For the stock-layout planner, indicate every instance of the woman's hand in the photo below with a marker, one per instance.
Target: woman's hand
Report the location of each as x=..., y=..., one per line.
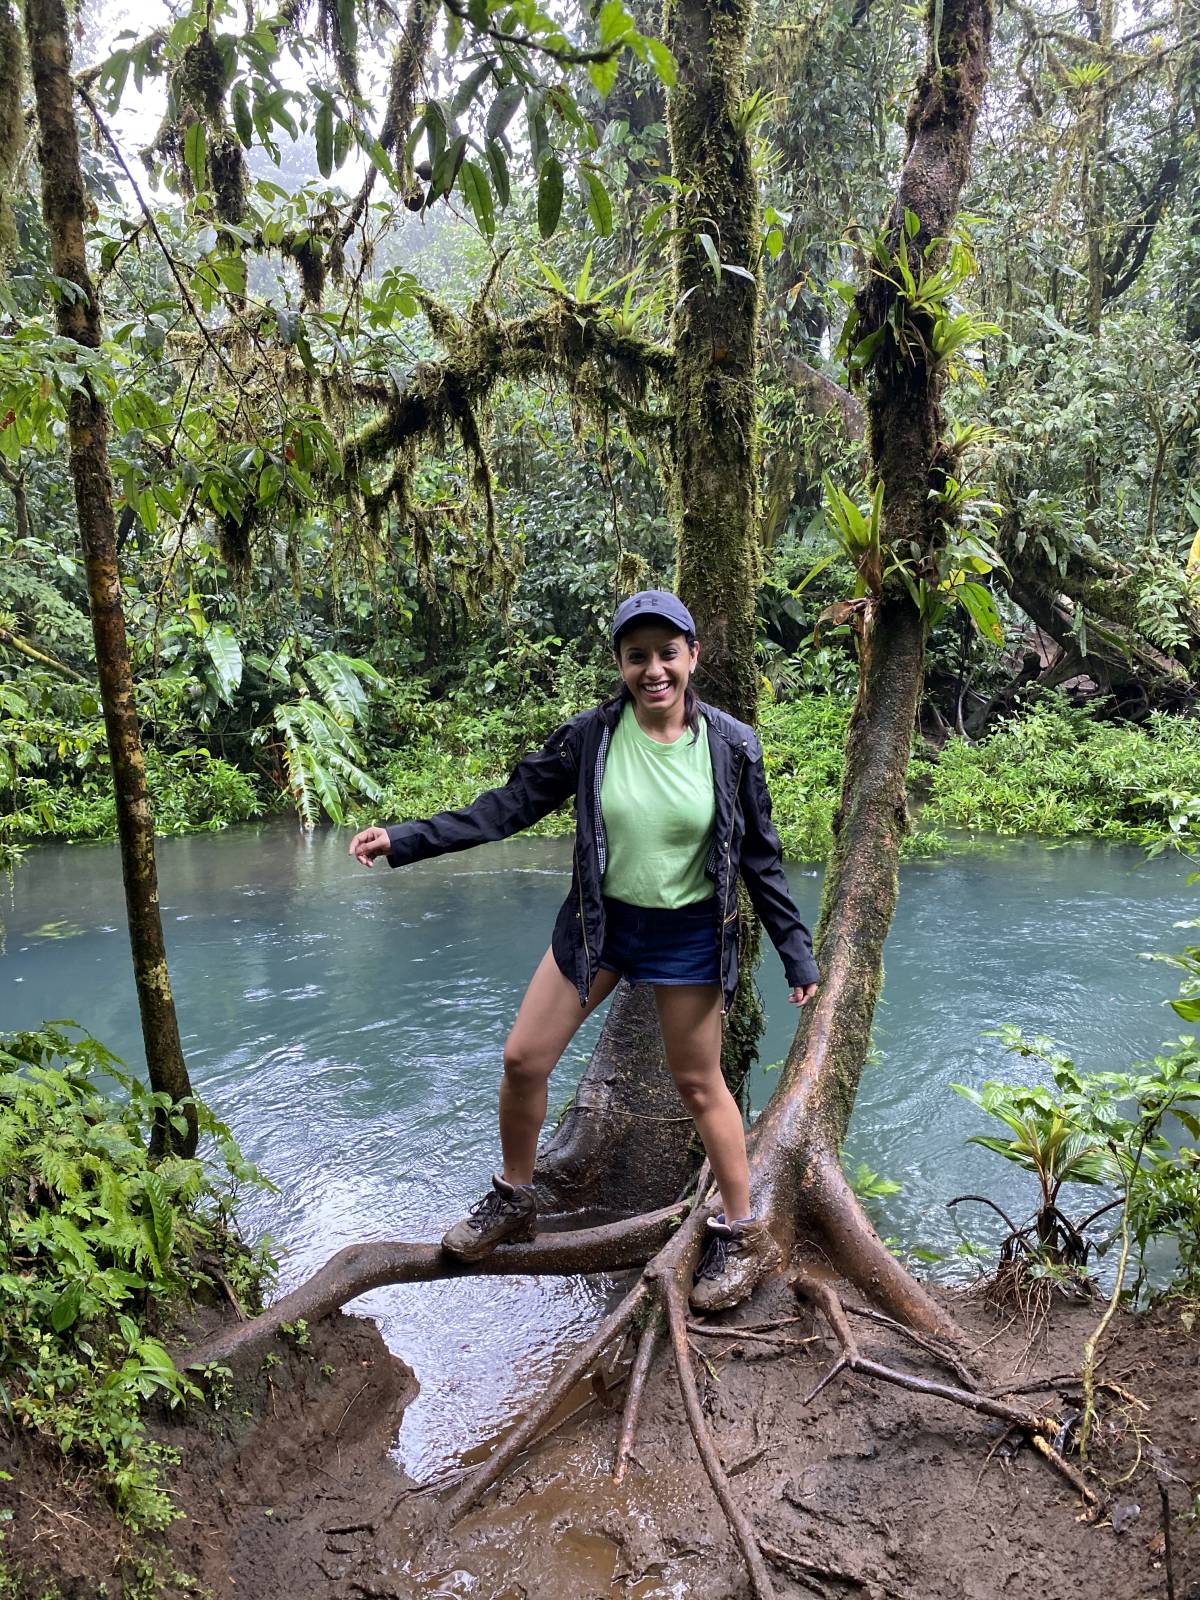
x=802, y=994
x=366, y=846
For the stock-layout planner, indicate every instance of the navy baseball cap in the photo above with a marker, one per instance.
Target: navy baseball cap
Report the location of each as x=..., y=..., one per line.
x=653, y=605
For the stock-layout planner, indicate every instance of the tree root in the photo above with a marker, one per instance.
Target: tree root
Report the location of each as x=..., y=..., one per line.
x=743, y=1533
x=646, y=1351
x=353, y=1271
x=1039, y=1430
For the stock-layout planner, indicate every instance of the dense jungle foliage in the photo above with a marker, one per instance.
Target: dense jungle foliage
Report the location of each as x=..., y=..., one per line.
x=102, y=1255
x=336, y=612
x=386, y=309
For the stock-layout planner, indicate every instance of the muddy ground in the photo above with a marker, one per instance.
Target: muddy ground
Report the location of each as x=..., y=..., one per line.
x=874, y=1492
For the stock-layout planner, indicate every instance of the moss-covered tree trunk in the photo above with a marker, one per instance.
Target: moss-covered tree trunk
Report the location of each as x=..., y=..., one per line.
x=64, y=206
x=714, y=391
x=714, y=478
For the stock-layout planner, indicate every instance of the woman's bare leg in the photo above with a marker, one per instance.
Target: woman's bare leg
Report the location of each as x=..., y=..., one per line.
x=690, y=1017
x=548, y=1019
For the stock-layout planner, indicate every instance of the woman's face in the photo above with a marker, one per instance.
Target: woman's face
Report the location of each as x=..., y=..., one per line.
x=656, y=662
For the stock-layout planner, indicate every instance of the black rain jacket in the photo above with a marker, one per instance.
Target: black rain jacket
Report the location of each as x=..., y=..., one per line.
x=571, y=763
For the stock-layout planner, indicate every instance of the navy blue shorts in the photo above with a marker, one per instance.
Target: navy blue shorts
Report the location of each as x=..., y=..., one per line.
x=647, y=944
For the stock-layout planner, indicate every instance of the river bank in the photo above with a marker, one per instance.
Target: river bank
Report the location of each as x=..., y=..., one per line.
x=288, y=1488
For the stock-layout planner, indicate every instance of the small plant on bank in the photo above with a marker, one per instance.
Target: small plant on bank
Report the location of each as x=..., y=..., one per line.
x=100, y=1252
x=1109, y=1129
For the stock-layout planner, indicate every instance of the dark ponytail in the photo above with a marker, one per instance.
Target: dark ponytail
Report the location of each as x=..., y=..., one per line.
x=691, y=700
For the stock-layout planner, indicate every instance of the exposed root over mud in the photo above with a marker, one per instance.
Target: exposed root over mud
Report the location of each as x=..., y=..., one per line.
x=656, y=1303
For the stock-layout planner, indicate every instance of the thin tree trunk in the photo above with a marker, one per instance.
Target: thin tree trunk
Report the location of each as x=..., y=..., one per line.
x=64, y=206
x=16, y=482
x=796, y=1142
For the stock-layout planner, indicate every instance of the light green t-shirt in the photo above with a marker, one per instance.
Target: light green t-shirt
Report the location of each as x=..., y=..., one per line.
x=658, y=807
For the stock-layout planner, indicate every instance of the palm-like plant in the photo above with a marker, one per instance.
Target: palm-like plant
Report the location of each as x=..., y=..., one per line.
x=1053, y=1135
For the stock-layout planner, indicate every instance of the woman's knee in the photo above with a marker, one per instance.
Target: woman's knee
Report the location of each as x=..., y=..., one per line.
x=525, y=1067
x=701, y=1091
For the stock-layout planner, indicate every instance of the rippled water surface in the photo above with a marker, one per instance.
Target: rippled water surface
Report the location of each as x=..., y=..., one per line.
x=348, y=1025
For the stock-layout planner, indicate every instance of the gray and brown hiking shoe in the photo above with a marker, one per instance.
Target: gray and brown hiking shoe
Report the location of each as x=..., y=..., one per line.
x=507, y=1213
x=737, y=1257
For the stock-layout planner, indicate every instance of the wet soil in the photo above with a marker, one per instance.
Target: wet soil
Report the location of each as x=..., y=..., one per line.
x=874, y=1492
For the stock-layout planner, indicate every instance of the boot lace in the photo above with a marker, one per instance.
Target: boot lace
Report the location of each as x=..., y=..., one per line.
x=717, y=1252
x=487, y=1210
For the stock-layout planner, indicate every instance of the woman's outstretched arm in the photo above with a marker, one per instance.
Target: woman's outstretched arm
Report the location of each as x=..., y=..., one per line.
x=540, y=783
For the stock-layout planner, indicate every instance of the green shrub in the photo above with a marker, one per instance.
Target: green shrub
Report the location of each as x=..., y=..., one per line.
x=1057, y=770
x=803, y=742
x=99, y=1251
x=190, y=790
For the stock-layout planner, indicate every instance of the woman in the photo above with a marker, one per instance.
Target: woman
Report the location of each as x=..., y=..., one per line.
x=670, y=804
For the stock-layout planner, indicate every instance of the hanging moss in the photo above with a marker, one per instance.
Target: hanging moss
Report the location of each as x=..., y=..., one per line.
x=339, y=35
x=201, y=79
x=305, y=250
x=227, y=169
x=233, y=541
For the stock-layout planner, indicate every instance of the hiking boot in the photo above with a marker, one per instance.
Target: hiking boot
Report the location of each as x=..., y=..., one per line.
x=737, y=1257
x=508, y=1212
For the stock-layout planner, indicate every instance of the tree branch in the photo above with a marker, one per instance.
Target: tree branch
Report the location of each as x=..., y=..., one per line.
x=1132, y=248
x=566, y=55
x=566, y=340
x=23, y=647
x=821, y=395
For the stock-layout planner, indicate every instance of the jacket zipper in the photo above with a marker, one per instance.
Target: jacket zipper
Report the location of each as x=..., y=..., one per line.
x=601, y=853
x=597, y=784
x=587, y=954
x=725, y=899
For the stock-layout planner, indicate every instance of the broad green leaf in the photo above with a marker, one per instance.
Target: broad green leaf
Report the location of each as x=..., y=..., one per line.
x=195, y=147
x=539, y=134
x=243, y=121
x=323, y=132
x=615, y=22
x=498, y=167
x=599, y=206
x=66, y=1308
x=710, y=250
x=232, y=272
x=339, y=687
x=550, y=196
x=473, y=182
x=502, y=109
x=437, y=131
x=225, y=653
x=464, y=95
x=445, y=168
x=604, y=73
x=662, y=61
x=980, y=606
